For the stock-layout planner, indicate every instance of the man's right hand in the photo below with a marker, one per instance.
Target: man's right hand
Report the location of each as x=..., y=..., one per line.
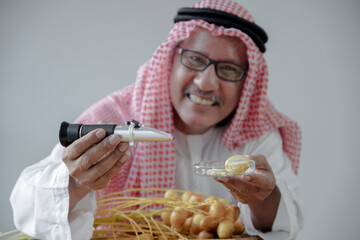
x=92, y=161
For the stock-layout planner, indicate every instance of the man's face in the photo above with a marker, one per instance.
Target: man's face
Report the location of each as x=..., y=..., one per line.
x=200, y=98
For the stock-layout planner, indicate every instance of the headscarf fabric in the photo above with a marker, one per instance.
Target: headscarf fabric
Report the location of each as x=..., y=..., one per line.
x=152, y=164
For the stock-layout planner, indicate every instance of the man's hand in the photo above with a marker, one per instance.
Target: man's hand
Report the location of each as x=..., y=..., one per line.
x=258, y=190
x=254, y=187
x=92, y=162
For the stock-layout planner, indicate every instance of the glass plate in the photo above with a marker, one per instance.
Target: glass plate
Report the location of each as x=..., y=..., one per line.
x=217, y=169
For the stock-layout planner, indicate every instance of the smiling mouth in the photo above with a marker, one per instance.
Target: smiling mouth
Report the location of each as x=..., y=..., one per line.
x=201, y=101
x=202, y=98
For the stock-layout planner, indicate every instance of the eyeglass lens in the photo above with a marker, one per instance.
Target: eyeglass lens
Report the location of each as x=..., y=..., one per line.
x=199, y=62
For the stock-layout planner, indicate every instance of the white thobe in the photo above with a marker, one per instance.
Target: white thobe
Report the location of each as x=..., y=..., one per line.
x=40, y=198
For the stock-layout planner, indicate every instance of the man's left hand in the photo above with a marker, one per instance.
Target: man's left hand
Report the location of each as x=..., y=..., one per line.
x=254, y=187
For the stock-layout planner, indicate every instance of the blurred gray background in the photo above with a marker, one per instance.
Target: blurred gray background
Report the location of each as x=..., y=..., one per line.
x=58, y=57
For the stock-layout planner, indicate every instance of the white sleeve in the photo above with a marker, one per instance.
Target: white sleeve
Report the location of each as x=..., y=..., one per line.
x=289, y=218
x=40, y=202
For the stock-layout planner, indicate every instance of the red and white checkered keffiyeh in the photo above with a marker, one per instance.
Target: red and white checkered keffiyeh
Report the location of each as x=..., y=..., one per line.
x=152, y=164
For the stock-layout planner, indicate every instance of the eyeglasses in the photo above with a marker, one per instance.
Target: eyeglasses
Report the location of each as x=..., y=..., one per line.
x=225, y=70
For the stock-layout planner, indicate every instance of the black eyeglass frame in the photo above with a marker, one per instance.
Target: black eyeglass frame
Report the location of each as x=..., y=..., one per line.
x=211, y=61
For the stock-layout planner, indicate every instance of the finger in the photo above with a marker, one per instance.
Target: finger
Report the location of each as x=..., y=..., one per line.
x=79, y=146
x=263, y=179
x=107, y=163
x=233, y=181
x=88, y=177
x=221, y=179
x=246, y=178
x=238, y=182
x=232, y=184
x=260, y=162
x=251, y=180
x=98, y=151
x=123, y=147
x=254, y=177
x=104, y=180
x=238, y=193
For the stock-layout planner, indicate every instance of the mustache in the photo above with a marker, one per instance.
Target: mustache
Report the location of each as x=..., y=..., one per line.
x=203, y=94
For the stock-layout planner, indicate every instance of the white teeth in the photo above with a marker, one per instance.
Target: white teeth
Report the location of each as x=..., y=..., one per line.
x=201, y=101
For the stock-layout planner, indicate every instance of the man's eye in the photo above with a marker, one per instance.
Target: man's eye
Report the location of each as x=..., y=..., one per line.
x=228, y=68
x=196, y=59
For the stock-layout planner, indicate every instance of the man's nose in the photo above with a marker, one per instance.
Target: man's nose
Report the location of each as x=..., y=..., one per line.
x=207, y=80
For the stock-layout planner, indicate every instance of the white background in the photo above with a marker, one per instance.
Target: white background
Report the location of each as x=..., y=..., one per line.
x=58, y=57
